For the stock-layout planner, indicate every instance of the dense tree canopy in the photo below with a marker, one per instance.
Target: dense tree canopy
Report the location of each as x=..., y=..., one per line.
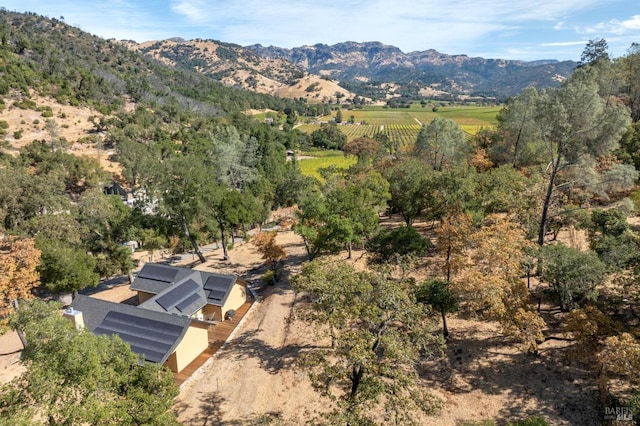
x=573, y=125
x=574, y=276
x=328, y=136
x=203, y=170
x=345, y=213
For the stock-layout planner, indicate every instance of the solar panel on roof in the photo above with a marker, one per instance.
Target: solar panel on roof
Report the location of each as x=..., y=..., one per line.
x=158, y=273
x=147, y=325
x=219, y=282
x=152, y=350
x=146, y=337
x=216, y=295
x=149, y=354
x=110, y=327
x=188, y=301
x=178, y=294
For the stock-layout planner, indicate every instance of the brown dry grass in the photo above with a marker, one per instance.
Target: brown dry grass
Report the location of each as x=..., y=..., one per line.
x=254, y=71
x=73, y=125
x=481, y=376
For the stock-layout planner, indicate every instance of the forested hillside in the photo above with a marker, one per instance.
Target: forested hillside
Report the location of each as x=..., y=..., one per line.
x=162, y=126
x=196, y=167
x=560, y=162
x=54, y=58
x=530, y=226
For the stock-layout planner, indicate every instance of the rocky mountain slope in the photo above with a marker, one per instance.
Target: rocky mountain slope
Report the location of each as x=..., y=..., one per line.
x=236, y=66
x=321, y=72
x=374, y=62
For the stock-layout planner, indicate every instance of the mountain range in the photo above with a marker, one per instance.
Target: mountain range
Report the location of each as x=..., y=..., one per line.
x=372, y=69
x=458, y=74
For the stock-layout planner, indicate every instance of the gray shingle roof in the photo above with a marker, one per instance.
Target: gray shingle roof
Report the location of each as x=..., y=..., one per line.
x=161, y=280
x=183, y=298
x=154, y=335
x=154, y=278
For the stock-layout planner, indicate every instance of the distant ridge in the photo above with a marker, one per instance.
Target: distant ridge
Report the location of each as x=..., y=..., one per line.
x=369, y=70
x=459, y=74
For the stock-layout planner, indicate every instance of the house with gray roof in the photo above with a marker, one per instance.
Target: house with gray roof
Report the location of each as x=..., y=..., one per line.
x=160, y=337
x=182, y=291
x=170, y=324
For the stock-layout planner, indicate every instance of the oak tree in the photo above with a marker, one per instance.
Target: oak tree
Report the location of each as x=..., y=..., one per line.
x=573, y=275
x=439, y=295
x=19, y=260
x=490, y=284
x=271, y=252
x=409, y=181
x=378, y=333
x=441, y=144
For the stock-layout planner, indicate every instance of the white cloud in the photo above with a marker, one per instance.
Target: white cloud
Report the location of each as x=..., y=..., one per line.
x=488, y=28
x=613, y=26
x=559, y=26
x=193, y=10
x=632, y=23
x=565, y=43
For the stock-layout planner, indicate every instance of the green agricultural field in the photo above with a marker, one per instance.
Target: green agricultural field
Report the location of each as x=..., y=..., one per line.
x=311, y=166
x=403, y=125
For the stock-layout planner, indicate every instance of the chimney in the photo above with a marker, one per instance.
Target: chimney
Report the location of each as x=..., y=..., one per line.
x=75, y=317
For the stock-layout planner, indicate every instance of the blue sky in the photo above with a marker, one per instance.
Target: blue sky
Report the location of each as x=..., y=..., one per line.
x=508, y=29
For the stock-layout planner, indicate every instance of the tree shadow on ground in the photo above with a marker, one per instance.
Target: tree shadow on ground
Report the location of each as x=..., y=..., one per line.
x=271, y=359
x=282, y=285
x=553, y=385
x=210, y=413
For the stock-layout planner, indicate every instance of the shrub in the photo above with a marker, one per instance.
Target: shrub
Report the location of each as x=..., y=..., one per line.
x=635, y=198
x=269, y=276
x=46, y=111
x=25, y=104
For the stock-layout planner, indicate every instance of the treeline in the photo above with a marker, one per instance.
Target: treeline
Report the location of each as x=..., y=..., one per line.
x=200, y=171
x=183, y=123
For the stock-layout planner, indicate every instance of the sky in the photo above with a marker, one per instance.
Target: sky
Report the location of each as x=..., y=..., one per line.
x=506, y=29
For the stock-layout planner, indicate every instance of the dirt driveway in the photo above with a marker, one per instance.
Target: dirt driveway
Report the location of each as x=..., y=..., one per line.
x=254, y=375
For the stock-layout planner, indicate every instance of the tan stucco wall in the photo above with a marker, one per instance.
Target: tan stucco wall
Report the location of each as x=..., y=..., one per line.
x=237, y=297
x=194, y=342
x=144, y=296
